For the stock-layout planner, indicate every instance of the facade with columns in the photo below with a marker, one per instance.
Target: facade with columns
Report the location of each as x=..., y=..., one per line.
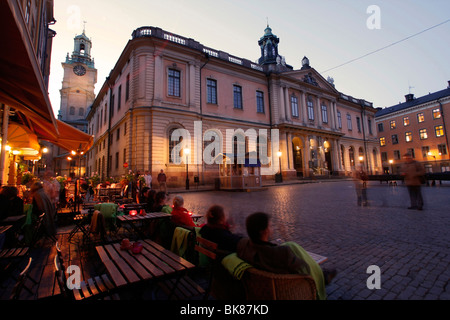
x=163, y=82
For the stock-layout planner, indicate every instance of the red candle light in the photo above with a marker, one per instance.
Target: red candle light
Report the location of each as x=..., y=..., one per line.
x=133, y=212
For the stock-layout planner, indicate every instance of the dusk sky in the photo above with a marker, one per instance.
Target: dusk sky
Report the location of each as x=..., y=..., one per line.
x=403, y=46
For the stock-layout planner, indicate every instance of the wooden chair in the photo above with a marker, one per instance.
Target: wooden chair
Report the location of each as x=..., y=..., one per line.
x=20, y=284
x=11, y=257
x=263, y=285
x=99, y=287
x=209, y=249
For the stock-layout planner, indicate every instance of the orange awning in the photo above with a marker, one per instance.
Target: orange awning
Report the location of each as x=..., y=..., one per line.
x=22, y=86
x=22, y=138
x=70, y=138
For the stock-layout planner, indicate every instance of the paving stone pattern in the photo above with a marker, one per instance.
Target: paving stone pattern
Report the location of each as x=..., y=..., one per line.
x=410, y=247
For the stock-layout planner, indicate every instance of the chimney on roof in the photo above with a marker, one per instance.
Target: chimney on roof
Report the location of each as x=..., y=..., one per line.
x=409, y=97
x=448, y=86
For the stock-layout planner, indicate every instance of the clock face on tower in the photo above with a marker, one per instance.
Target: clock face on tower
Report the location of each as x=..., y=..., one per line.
x=79, y=70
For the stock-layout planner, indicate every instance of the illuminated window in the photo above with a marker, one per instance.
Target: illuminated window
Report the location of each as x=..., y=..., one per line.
x=442, y=148
x=436, y=113
x=408, y=136
x=420, y=117
x=439, y=131
x=423, y=134
x=382, y=141
x=406, y=121
x=392, y=124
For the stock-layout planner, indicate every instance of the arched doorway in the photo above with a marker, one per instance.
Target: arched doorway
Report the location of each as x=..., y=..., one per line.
x=297, y=151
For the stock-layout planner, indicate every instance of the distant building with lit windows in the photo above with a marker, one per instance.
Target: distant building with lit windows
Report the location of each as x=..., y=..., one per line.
x=163, y=82
x=417, y=126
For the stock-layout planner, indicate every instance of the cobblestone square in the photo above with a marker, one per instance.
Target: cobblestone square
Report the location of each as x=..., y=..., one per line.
x=410, y=247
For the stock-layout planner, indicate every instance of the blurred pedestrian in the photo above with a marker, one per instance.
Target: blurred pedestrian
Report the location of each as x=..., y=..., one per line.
x=162, y=181
x=414, y=175
x=148, y=179
x=360, y=179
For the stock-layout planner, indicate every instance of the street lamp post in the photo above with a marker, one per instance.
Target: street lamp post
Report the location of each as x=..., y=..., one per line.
x=391, y=162
x=186, y=152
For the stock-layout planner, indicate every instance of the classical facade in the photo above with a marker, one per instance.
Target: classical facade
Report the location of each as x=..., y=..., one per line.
x=163, y=82
x=417, y=126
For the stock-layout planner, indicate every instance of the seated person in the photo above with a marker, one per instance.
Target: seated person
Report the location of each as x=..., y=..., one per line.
x=180, y=215
x=283, y=259
x=10, y=202
x=217, y=230
x=160, y=203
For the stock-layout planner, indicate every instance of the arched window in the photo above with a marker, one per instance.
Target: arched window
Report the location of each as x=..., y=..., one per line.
x=351, y=155
x=72, y=111
x=172, y=145
x=81, y=112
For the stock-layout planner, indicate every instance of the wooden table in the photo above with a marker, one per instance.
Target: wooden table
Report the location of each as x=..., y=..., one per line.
x=152, y=264
x=133, y=221
x=3, y=229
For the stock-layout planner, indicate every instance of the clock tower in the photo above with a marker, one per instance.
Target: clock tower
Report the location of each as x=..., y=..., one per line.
x=80, y=77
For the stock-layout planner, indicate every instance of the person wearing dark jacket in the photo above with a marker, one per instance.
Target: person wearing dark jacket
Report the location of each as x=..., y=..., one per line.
x=218, y=230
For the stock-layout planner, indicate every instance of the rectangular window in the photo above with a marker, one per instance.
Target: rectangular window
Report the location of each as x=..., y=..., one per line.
x=259, y=102
x=174, y=83
x=392, y=124
x=439, y=131
x=394, y=139
x=442, y=148
x=396, y=154
x=405, y=121
x=358, y=124
x=127, y=88
x=380, y=127
x=294, y=106
x=436, y=113
x=349, y=122
x=425, y=151
x=408, y=136
x=112, y=106
x=117, y=160
x=310, y=110
x=237, y=97
x=420, y=117
x=384, y=156
x=411, y=152
x=369, y=124
x=118, y=134
x=423, y=134
x=339, y=118
x=119, y=98
x=124, y=155
x=211, y=91
x=382, y=141
x=125, y=129
x=324, y=114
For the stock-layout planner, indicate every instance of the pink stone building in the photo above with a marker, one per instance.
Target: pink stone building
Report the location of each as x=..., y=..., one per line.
x=163, y=82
